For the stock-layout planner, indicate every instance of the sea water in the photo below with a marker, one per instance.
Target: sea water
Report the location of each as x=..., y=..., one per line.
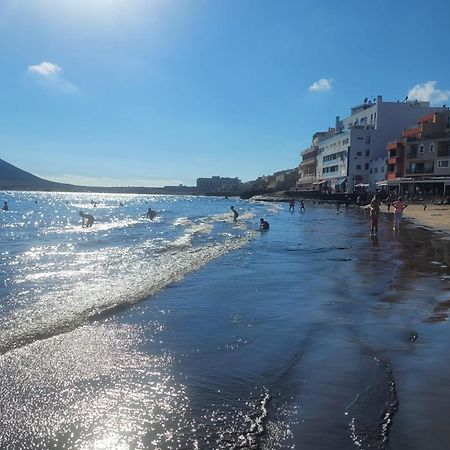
x=195, y=331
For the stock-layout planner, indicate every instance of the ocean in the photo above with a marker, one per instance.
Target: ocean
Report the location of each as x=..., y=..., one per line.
x=191, y=331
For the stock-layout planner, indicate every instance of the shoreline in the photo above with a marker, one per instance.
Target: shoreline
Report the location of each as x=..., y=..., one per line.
x=435, y=218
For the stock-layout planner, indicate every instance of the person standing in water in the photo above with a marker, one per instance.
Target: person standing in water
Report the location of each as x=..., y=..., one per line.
x=5, y=206
x=86, y=220
x=302, y=205
x=235, y=213
x=374, y=214
x=151, y=214
x=399, y=205
x=291, y=204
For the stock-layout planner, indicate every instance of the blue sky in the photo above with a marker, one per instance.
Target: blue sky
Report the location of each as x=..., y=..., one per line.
x=155, y=92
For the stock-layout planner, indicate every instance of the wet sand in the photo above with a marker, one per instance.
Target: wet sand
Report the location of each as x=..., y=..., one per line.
x=434, y=217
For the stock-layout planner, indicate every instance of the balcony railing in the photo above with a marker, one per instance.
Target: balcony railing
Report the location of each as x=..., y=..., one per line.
x=419, y=171
x=411, y=132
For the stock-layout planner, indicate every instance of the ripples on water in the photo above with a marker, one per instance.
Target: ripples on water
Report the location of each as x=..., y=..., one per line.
x=299, y=337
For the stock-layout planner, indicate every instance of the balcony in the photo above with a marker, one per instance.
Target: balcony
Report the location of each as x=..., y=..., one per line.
x=419, y=171
x=393, y=160
x=394, y=145
x=412, y=132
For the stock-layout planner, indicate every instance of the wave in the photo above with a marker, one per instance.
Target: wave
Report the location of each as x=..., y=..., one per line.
x=116, y=278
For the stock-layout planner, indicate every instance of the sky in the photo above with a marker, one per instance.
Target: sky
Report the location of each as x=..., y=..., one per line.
x=161, y=92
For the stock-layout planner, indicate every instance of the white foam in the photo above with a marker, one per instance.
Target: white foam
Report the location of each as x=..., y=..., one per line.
x=115, y=277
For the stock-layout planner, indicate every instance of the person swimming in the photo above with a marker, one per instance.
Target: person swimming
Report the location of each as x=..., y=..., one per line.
x=86, y=219
x=235, y=213
x=5, y=206
x=263, y=224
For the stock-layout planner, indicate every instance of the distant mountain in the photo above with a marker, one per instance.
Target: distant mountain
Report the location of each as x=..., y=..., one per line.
x=13, y=178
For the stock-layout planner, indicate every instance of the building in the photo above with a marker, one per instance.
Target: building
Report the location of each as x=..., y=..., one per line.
x=216, y=184
x=283, y=180
x=307, y=170
x=377, y=173
x=345, y=159
x=420, y=162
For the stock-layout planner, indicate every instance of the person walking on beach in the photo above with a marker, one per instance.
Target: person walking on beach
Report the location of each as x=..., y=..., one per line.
x=5, y=206
x=374, y=214
x=263, y=224
x=235, y=213
x=291, y=204
x=399, y=205
x=302, y=205
x=86, y=220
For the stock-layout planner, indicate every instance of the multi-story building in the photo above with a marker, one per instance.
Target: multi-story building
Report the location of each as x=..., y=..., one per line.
x=424, y=164
x=307, y=170
x=377, y=173
x=344, y=160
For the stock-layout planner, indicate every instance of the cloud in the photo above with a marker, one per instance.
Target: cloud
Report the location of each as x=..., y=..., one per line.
x=427, y=92
x=46, y=69
x=51, y=75
x=322, y=85
x=110, y=182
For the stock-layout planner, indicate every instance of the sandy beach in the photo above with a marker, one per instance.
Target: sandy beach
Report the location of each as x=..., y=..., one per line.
x=435, y=218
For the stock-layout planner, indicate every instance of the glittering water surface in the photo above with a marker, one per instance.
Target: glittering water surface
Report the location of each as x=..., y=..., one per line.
x=192, y=331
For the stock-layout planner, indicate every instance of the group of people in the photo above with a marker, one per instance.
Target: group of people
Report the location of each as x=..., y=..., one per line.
x=374, y=212
x=292, y=205
x=263, y=224
x=87, y=220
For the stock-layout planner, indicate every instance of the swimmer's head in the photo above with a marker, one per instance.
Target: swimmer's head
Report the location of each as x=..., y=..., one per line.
x=261, y=220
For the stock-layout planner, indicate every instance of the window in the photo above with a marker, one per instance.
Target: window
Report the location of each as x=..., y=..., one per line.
x=375, y=117
x=358, y=154
x=432, y=147
x=366, y=166
x=367, y=139
x=421, y=148
x=443, y=163
x=370, y=170
x=371, y=118
x=382, y=169
x=367, y=152
x=358, y=167
x=375, y=170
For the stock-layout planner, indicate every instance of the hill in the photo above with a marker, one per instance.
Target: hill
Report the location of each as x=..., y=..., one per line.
x=14, y=179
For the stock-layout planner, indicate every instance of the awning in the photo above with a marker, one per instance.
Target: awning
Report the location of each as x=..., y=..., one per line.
x=381, y=183
x=320, y=182
x=361, y=185
x=341, y=181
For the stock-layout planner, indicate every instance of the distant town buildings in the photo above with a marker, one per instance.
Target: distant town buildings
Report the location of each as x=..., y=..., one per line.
x=216, y=184
x=352, y=155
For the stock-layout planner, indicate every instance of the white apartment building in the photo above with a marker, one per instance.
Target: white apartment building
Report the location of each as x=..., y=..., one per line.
x=344, y=160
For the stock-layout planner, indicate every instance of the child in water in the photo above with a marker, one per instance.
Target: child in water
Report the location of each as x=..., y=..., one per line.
x=235, y=213
x=263, y=224
x=86, y=219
